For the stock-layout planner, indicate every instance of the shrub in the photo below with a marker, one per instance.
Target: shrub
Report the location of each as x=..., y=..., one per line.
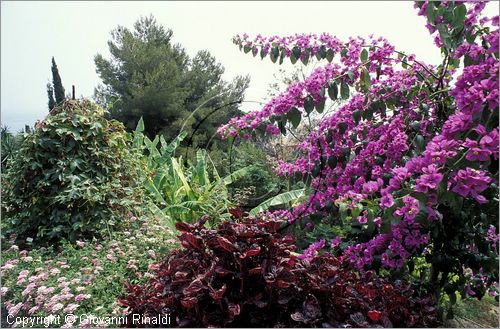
x=74, y=176
x=245, y=274
x=409, y=158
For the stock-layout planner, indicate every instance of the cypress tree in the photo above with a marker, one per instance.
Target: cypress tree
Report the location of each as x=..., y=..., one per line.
x=56, y=81
x=50, y=93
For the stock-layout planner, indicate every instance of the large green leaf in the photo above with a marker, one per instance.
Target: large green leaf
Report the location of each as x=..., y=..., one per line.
x=231, y=178
x=278, y=200
x=175, y=143
x=201, y=168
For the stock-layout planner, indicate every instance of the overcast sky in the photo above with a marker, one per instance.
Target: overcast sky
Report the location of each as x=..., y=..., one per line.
x=73, y=32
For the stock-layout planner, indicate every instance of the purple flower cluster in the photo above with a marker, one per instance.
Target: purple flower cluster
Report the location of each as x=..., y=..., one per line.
x=310, y=252
x=471, y=182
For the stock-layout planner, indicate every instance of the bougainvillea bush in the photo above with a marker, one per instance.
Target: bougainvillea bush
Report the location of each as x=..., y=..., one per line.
x=410, y=156
x=74, y=177
x=246, y=274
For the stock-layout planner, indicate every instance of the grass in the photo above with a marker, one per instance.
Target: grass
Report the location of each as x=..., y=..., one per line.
x=477, y=313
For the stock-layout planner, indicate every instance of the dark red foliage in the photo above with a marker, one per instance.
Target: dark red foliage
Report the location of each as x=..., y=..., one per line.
x=245, y=275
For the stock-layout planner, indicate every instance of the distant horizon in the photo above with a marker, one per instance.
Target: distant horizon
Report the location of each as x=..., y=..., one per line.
x=33, y=32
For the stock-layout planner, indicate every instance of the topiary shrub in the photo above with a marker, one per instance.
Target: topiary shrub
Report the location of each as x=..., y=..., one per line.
x=73, y=177
x=246, y=275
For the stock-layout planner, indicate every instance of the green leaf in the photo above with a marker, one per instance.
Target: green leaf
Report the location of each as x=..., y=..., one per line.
x=255, y=51
x=404, y=62
x=445, y=36
x=175, y=143
x=448, y=15
x=233, y=177
x=420, y=141
x=356, y=115
x=329, y=55
x=431, y=13
x=309, y=104
x=294, y=116
x=263, y=53
x=321, y=106
x=365, y=79
x=333, y=90
x=305, y=57
x=364, y=55
x=296, y=52
x=282, y=127
x=278, y=200
x=275, y=53
x=246, y=49
x=459, y=14
x=368, y=114
x=321, y=52
x=344, y=90
x=140, y=126
x=322, y=92
x=342, y=126
x=293, y=59
x=350, y=74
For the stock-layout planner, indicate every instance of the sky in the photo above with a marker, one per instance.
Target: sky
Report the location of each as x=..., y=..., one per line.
x=75, y=31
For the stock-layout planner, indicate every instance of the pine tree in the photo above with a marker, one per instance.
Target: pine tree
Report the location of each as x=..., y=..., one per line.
x=50, y=94
x=149, y=76
x=57, y=84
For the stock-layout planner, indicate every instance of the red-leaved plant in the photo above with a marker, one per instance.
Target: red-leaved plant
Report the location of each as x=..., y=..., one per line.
x=245, y=274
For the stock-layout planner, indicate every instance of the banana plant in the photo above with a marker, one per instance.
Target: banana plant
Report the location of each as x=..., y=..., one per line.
x=179, y=190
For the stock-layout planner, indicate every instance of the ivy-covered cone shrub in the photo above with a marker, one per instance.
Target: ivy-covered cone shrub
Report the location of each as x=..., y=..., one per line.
x=245, y=274
x=73, y=177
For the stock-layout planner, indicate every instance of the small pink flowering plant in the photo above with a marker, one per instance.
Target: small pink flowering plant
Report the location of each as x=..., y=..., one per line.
x=79, y=278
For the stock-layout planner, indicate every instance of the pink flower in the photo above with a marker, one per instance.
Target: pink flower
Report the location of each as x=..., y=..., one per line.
x=387, y=201
x=54, y=271
x=3, y=291
x=429, y=180
x=335, y=242
x=80, y=244
x=153, y=267
x=13, y=248
x=471, y=181
x=15, y=309
x=57, y=307
x=33, y=310
x=28, y=289
x=81, y=297
x=363, y=219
